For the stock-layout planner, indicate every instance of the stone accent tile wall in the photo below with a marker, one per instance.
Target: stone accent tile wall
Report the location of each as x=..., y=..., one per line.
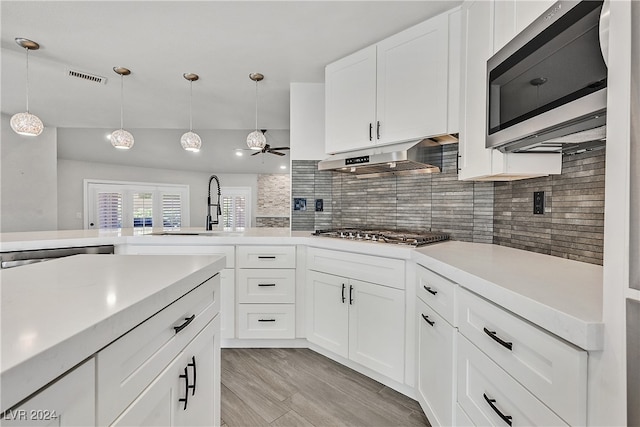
x=273, y=205
x=272, y=221
x=573, y=223
x=418, y=202
x=310, y=184
x=501, y=212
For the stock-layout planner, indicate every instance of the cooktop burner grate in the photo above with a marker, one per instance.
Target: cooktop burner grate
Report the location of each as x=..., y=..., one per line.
x=398, y=237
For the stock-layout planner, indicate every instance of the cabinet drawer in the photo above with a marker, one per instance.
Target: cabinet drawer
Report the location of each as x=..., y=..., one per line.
x=227, y=251
x=266, y=321
x=266, y=286
x=266, y=256
x=373, y=269
x=437, y=292
x=130, y=363
x=554, y=371
x=481, y=384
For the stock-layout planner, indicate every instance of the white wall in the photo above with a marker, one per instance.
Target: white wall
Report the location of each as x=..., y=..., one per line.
x=307, y=121
x=28, y=191
x=71, y=175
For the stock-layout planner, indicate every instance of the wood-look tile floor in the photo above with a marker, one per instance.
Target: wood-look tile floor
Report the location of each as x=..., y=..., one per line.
x=299, y=387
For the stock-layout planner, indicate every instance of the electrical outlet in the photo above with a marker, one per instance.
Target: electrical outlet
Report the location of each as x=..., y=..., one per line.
x=538, y=202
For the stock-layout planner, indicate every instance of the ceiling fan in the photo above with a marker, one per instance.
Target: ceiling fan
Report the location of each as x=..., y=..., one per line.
x=268, y=148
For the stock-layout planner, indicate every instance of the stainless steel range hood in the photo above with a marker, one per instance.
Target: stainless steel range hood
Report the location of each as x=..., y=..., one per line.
x=415, y=157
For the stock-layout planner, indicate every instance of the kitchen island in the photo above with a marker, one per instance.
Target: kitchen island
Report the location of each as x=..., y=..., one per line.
x=63, y=313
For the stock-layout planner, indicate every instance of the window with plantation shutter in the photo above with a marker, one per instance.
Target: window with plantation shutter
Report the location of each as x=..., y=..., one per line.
x=143, y=209
x=236, y=207
x=171, y=210
x=109, y=210
x=117, y=204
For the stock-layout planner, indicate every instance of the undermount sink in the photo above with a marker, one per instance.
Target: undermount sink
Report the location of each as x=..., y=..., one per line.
x=195, y=233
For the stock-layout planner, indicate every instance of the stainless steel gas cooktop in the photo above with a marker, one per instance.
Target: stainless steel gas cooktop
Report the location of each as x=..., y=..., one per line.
x=398, y=237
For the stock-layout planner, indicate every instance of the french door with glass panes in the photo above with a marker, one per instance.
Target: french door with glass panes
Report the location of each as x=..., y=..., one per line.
x=112, y=205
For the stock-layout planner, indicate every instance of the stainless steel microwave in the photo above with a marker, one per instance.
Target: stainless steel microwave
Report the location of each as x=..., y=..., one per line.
x=548, y=86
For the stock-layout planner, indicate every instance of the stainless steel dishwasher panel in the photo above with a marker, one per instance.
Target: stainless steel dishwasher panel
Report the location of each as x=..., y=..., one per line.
x=18, y=258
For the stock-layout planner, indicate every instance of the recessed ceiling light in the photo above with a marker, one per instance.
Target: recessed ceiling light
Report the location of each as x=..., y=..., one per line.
x=283, y=167
x=239, y=153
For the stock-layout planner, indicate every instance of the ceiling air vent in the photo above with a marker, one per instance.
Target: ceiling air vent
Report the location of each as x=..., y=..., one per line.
x=86, y=76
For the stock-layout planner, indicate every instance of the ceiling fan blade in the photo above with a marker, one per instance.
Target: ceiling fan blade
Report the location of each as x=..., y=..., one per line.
x=257, y=152
x=276, y=153
x=280, y=148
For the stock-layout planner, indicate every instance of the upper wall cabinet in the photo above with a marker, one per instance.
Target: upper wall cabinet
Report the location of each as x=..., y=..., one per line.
x=479, y=25
x=404, y=87
x=513, y=16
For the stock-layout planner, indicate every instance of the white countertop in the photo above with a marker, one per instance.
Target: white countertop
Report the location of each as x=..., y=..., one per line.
x=559, y=295
x=56, y=314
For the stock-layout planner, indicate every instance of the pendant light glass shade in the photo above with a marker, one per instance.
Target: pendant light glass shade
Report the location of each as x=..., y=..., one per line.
x=191, y=141
x=26, y=123
x=256, y=139
x=120, y=138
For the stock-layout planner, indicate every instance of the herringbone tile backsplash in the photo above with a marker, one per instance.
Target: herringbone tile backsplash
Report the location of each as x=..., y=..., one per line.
x=500, y=213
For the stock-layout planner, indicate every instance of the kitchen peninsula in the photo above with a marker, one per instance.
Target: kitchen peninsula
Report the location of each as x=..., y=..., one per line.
x=109, y=327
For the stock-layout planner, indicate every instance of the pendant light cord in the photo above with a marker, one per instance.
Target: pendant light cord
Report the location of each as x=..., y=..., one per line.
x=121, y=101
x=190, y=105
x=256, y=105
x=27, y=49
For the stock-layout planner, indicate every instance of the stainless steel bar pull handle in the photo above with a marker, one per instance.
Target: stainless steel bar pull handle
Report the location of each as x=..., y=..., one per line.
x=506, y=418
x=496, y=338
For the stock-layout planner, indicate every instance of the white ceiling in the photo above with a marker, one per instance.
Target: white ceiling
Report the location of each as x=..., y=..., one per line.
x=222, y=41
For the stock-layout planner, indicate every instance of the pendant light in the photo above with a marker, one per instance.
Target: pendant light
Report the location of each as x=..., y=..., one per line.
x=120, y=138
x=26, y=123
x=191, y=141
x=256, y=139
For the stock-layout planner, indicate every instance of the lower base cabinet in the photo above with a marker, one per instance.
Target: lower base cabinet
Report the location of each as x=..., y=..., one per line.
x=183, y=394
x=70, y=401
x=491, y=397
x=436, y=366
x=358, y=320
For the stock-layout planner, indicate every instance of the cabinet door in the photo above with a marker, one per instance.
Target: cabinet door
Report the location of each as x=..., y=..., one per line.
x=477, y=43
x=513, y=16
x=70, y=401
x=435, y=365
x=412, y=82
x=350, y=103
x=328, y=312
x=376, y=328
x=160, y=404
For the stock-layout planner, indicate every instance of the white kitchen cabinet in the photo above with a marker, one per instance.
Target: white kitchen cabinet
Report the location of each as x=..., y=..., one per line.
x=184, y=393
x=266, y=292
x=490, y=397
x=436, y=370
x=397, y=90
x=476, y=162
x=69, y=401
x=513, y=16
x=358, y=320
x=554, y=371
x=350, y=101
